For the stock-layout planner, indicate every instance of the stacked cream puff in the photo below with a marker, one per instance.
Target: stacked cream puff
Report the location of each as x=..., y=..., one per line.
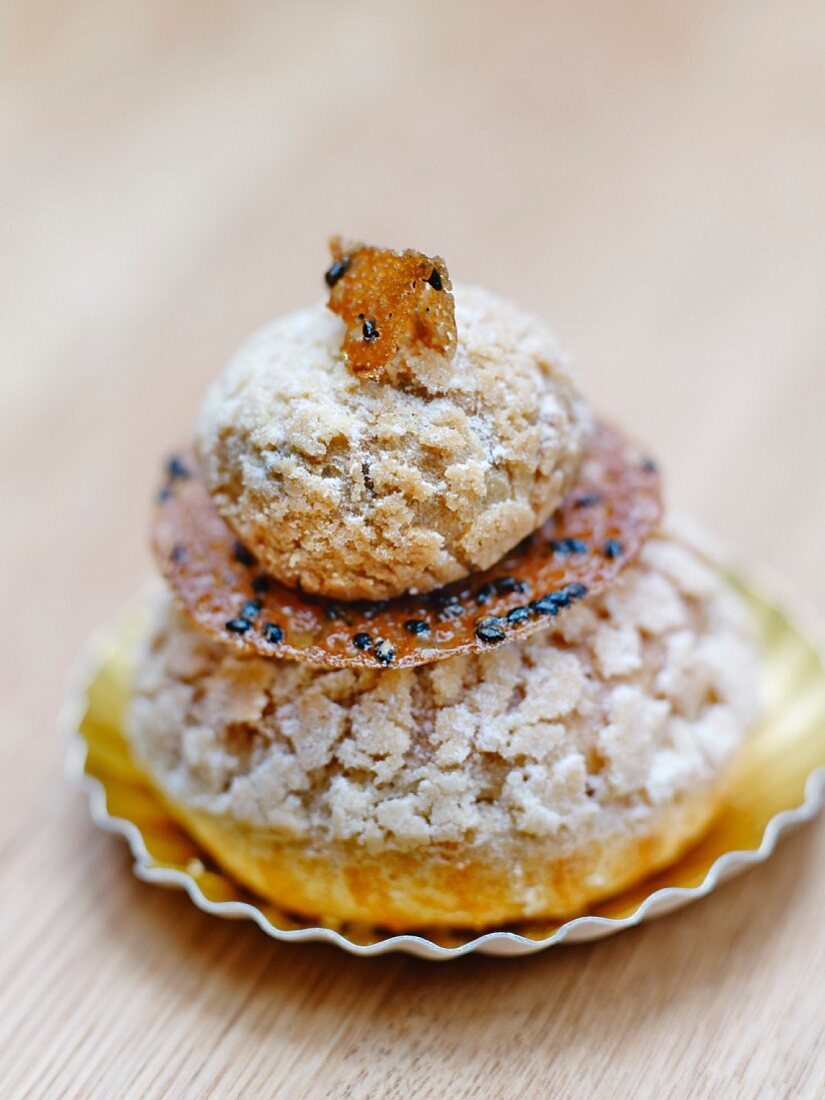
x=400, y=438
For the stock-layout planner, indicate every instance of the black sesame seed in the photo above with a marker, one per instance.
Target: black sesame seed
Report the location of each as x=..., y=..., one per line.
x=417, y=626
x=164, y=494
x=250, y=609
x=242, y=555
x=502, y=586
x=334, y=612
x=238, y=626
x=178, y=553
x=649, y=466
x=505, y=585
x=384, y=652
x=547, y=605
x=489, y=631
x=553, y=602
x=613, y=549
x=587, y=500
x=567, y=546
x=370, y=331
x=484, y=593
x=375, y=608
x=451, y=610
x=273, y=633
x=441, y=598
x=448, y=604
x=518, y=615
x=334, y=273
x=435, y=280
x=260, y=583
x=362, y=640
x=176, y=468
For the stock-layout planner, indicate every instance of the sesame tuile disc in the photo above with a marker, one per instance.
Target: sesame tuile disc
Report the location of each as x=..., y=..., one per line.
x=395, y=306
x=600, y=527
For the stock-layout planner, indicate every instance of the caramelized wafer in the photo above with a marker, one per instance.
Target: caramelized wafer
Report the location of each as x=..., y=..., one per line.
x=600, y=527
x=393, y=305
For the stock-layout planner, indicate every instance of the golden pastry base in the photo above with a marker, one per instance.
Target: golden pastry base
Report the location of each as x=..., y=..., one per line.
x=779, y=782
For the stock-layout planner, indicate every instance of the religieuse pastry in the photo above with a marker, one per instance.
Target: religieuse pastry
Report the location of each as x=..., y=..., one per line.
x=427, y=653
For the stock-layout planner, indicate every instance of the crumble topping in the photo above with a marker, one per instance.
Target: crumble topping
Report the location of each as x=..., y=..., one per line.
x=630, y=699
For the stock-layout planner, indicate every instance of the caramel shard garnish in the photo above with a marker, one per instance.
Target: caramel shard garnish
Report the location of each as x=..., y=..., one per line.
x=395, y=305
x=599, y=529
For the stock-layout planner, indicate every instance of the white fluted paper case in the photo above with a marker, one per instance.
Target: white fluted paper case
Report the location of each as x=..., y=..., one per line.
x=779, y=783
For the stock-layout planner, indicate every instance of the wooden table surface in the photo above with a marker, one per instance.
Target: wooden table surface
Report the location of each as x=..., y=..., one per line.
x=649, y=177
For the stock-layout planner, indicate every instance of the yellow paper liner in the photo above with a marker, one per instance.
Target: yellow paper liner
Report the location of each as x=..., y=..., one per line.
x=779, y=781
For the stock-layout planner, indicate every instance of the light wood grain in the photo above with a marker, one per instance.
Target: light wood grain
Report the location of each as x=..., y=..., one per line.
x=650, y=178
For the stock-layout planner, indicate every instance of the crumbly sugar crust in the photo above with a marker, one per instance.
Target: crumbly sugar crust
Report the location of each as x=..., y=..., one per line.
x=625, y=704
x=359, y=488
